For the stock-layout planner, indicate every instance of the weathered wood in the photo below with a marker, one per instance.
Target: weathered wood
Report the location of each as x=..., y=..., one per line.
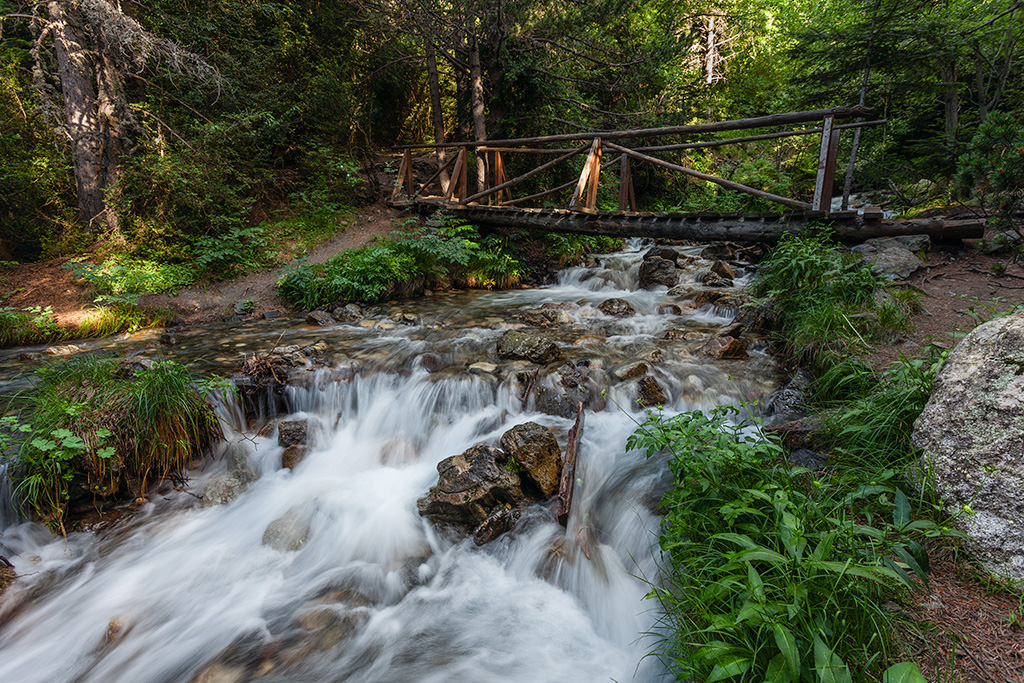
x=529, y=174
x=457, y=187
x=768, y=227
x=437, y=174
x=499, y=176
x=553, y=190
x=789, y=118
x=567, y=484
x=595, y=174
x=785, y=201
x=404, y=176
x=753, y=138
x=587, y=179
x=827, y=155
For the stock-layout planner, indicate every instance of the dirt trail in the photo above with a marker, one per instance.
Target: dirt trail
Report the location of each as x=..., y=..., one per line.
x=51, y=284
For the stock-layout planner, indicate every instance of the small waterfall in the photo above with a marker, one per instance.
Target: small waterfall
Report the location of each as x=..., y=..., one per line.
x=362, y=588
x=10, y=512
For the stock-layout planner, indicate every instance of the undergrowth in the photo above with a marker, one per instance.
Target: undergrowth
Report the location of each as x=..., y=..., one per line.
x=777, y=573
x=443, y=252
x=22, y=327
x=97, y=426
x=828, y=305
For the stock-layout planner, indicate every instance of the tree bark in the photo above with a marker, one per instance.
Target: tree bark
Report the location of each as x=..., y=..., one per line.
x=82, y=117
x=476, y=85
x=951, y=105
x=435, y=111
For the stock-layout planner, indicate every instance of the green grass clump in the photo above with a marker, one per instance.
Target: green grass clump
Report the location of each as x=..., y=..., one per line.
x=777, y=574
x=828, y=305
x=99, y=424
x=22, y=327
x=445, y=252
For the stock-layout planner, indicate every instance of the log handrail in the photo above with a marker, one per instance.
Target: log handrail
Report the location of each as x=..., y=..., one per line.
x=690, y=129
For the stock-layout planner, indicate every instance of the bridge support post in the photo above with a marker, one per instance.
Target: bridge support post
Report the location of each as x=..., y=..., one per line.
x=588, y=180
x=827, y=156
x=404, y=177
x=457, y=186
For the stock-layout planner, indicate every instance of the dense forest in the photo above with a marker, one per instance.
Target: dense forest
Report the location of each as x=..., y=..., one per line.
x=188, y=137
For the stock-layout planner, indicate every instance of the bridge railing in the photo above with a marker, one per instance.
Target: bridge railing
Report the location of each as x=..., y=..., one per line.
x=584, y=196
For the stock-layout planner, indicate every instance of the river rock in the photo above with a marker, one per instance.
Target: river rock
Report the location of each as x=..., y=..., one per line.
x=482, y=368
x=631, y=371
x=656, y=271
x=293, y=455
x=723, y=270
x=432, y=362
x=890, y=259
x=725, y=348
x=970, y=434
x=220, y=672
x=790, y=402
x=700, y=297
x=320, y=318
x=616, y=308
x=349, y=313
x=912, y=243
x=470, y=486
x=556, y=402
x=224, y=487
x=667, y=253
x=514, y=344
x=292, y=432
x=535, y=449
x=669, y=309
x=499, y=521
x=650, y=393
x=804, y=457
x=289, y=532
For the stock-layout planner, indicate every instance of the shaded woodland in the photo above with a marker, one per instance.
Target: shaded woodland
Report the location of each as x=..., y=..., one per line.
x=188, y=135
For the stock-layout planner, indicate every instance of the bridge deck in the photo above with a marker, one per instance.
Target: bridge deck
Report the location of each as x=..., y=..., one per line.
x=849, y=226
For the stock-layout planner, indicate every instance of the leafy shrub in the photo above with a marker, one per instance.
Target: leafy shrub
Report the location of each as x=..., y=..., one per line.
x=121, y=274
x=825, y=300
x=775, y=574
x=34, y=325
x=108, y=424
x=235, y=250
x=995, y=164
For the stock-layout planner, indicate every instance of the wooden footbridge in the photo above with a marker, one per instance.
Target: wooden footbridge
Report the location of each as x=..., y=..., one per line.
x=494, y=204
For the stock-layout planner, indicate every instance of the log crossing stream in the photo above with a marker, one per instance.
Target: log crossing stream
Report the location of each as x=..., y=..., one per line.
x=352, y=584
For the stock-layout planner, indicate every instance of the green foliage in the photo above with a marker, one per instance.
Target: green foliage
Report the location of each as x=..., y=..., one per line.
x=870, y=416
x=994, y=164
x=569, y=248
x=121, y=275
x=445, y=251
x=34, y=325
x=105, y=425
x=776, y=574
x=827, y=303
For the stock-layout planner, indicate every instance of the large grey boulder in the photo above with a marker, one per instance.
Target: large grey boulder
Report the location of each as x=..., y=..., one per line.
x=893, y=257
x=469, y=486
x=971, y=433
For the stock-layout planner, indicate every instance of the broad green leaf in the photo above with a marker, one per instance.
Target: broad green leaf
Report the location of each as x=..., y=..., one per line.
x=786, y=642
x=728, y=667
x=904, y=672
x=830, y=668
x=778, y=671
x=911, y=562
x=901, y=510
x=738, y=539
x=764, y=554
x=756, y=584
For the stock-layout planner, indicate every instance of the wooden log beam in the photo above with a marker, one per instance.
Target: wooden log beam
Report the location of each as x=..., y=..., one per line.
x=827, y=156
x=728, y=184
x=754, y=138
x=710, y=227
x=553, y=190
x=529, y=174
x=588, y=178
x=787, y=119
x=567, y=484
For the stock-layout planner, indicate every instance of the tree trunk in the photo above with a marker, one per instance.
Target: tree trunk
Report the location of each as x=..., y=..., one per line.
x=111, y=108
x=951, y=105
x=82, y=117
x=435, y=111
x=476, y=85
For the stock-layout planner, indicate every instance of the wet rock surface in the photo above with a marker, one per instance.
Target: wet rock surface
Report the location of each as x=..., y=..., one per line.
x=535, y=449
x=514, y=344
x=616, y=307
x=470, y=486
x=656, y=271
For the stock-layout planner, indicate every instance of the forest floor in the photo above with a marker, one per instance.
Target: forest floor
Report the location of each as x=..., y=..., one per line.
x=970, y=635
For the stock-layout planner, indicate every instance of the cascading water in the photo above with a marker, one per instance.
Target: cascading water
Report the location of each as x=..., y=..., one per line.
x=361, y=588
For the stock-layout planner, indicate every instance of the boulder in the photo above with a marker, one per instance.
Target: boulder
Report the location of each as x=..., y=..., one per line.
x=804, y=457
x=631, y=371
x=500, y=521
x=725, y=348
x=700, y=298
x=890, y=260
x=292, y=432
x=469, y=487
x=656, y=271
x=560, y=402
x=514, y=344
x=913, y=243
x=483, y=368
x=319, y=318
x=535, y=449
x=723, y=270
x=790, y=402
x=970, y=437
x=289, y=532
x=617, y=308
x=224, y=487
x=293, y=455
x=667, y=253
x=650, y=393
x=669, y=309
